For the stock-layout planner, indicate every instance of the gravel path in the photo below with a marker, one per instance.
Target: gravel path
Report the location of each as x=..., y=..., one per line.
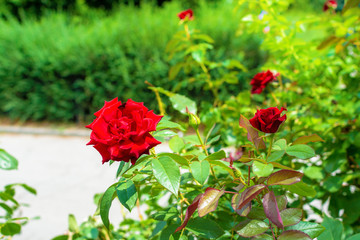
x=66, y=174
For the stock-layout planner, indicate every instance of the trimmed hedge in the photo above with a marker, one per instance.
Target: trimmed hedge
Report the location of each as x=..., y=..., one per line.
x=62, y=68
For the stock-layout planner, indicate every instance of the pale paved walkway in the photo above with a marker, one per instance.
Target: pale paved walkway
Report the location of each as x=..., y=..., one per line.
x=65, y=172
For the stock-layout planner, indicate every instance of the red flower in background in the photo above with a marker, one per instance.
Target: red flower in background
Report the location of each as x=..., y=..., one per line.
x=330, y=4
x=260, y=81
x=187, y=13
x=268, y=120
x=120, y=132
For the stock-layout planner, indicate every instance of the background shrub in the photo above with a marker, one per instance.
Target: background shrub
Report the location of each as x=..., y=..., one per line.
x=61, y=67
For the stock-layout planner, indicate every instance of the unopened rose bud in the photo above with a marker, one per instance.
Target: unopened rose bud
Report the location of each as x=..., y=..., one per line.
x=194, y=120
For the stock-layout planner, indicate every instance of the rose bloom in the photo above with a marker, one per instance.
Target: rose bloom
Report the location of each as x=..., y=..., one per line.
x=120, y=131
x=260, y=81
x=268, y=120
x=330, y=4
x=187, y=13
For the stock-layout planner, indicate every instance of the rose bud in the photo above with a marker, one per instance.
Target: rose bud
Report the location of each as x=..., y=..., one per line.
x=268, y=120
x=260, y=81
x=186, y=14
x=121, y=132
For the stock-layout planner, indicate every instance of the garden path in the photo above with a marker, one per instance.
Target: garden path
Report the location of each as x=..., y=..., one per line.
x=66, y=174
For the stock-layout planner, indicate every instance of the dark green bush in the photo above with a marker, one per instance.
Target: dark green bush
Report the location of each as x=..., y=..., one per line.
x=62, y=68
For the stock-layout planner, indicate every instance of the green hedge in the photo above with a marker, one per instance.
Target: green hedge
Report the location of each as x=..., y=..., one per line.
x=62, y=68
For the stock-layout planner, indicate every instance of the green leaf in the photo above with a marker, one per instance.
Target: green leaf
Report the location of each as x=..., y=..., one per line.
x=164, y=133
x=333, y=229
x=159, y=226
x=251, y=228
x=7, y=162
x=291, y=216
x=25, y=186
x=279, y=145
x=177, y=158
x=301, y=189
x=314, y=172
x=263, y=237
x=192, y=139
x=105, y=204
x=300, y=151
x=176, y=144
x=164, y=124
x=62, y=237
x=200, y=170
x=284, y=177
x=73, y=226
x=180, y=103
x=120, y=168
x=127, y=193
x=166, y=215
x=216, y=156
x=261, y=169
x=281, y=202
x=174, y=70
x=333, y=183
x=10, y=229
x=198, y=56
x=310, y=228
x=354, y=237
x=209, y=201
x=350, y=4
x=205, y=228
x=167, y=173
x=276, y=155
x=293, y=235
x=257, y=213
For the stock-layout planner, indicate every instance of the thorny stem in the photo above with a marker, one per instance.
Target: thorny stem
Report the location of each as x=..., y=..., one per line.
x=272, y=231
x=183, y=199
x=280, y=82
x=270, y=146
x=201, y=142
x=230, y=192
x=274, y=97
x=158, y=98
x=186, y=27
x=138, y=208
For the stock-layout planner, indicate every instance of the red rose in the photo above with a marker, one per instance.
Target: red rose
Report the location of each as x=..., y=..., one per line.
x=187, y=13
x=120, y=132
x=260, y=81
x=268, y=120
x=330, y=4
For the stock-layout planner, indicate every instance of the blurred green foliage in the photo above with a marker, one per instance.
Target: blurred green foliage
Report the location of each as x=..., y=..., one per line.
x=62, y=67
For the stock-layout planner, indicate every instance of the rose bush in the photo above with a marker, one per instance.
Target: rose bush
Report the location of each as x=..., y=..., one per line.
x=121, y=131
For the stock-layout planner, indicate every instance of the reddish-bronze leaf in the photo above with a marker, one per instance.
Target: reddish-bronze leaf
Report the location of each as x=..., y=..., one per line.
x=306, y=139
x=272, y=210
x=253, y=135
x=243, y=211
x=209, y=201
x=249, y=194
x=284, y=177
x=189, y=212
